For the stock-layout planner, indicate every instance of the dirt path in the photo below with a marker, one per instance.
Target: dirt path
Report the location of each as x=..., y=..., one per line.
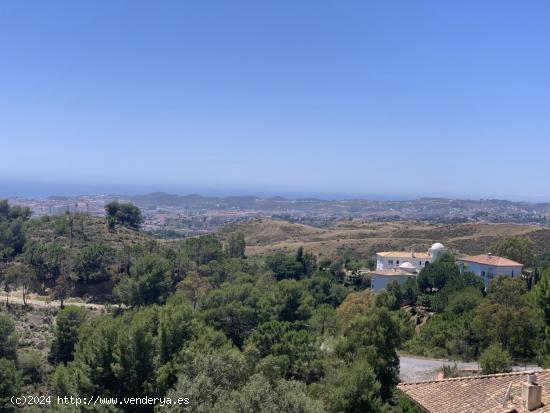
x=40, y=301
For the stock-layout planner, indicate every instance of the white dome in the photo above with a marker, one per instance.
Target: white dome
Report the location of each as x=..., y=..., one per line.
x=407, y=266
x=437, y=246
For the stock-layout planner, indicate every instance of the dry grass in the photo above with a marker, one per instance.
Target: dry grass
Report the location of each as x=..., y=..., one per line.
x=363, y=239
x=86, y=230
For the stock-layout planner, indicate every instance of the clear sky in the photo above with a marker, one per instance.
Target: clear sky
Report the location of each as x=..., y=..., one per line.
x=397, y=98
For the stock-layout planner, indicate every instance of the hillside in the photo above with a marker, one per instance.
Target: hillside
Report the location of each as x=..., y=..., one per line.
x=86, y=230
x=363, y=239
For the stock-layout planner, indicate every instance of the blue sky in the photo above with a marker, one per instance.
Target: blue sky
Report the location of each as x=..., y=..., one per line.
x=396, y=98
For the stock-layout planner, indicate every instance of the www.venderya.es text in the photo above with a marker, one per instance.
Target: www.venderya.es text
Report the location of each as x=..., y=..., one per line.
x=97, y=401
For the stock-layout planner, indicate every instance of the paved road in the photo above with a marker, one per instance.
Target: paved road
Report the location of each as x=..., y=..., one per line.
x=419, y=368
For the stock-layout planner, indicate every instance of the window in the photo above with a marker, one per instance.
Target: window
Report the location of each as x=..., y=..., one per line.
x=419, y=262
x=390, y=262
x=397, y=262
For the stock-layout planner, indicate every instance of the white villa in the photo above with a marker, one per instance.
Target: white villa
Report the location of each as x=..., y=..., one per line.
x=488, y=266
x=401, y=265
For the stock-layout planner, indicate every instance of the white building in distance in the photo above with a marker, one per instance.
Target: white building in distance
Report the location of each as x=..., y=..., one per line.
x=393, y=259
x=401, y=265
x=489, y=266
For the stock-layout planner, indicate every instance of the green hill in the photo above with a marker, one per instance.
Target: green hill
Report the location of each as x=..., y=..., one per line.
x=76, y=231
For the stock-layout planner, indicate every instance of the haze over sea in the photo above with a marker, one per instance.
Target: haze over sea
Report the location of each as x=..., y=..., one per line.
x=41, y=189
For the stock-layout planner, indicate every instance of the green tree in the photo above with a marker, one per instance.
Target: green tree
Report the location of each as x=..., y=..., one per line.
x=22, y=276
x=11, y=212
x=202, y=250
x=325, y=289
x=506, y=318
x=288, y=300
x=409, y=291
x=234, y=309
x=324, y=320
x=31, y=366
x=123, y=214
x=10, y=384
x=134, y=355
x=307, y=261
x=130, y=354
x=355, y=305
x=376, y=337
x=261, y=396
x=289, y=346
x=285, y=266
x=8, y=285
x=8, y=338
x=465, y=300
x=542, y=294
x=495, y=360
x=12, y=229
x=225, y=270
x=519, y=249
x=93, y=261
x=67, y=326
x=175, y=329
x=356, y=389
x=387, y=299
x=63, y=288
x=236, y=245
x=194, y=287
x=435, y=275
x=207, y=377
x=507, y=290
x=149, y=282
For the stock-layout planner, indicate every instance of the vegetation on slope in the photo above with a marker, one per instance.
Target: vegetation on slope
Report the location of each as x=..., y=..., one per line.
x=272, y=333
x=362, y=240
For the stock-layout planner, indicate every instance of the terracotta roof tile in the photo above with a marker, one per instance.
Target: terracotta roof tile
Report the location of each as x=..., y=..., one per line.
x=404, y=254
x=476, y=394
x=493, y=260
x=392, y=272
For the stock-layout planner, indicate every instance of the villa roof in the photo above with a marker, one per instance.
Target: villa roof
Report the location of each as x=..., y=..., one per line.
x=392, y=272
x=488, y=259
x=477, y=394
x=404, y=254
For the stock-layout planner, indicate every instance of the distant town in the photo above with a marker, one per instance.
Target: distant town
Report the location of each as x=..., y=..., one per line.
x=183, y=215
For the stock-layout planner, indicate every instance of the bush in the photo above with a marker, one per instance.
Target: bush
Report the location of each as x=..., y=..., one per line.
x=68, y=323
x=495, y=360
x=124, y=214
x=465, y=300
x=31, y=366
x=10, y=384
x=8, y=338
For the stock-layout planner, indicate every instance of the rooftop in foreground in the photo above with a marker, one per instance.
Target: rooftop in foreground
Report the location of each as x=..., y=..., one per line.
x=477, y=394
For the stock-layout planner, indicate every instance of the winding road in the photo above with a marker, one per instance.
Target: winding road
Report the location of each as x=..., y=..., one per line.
x=413, y=368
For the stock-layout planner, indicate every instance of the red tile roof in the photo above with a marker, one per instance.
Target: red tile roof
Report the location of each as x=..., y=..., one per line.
x=404, y=254
x=476, y=394
x=488, y=259
x=391, y=272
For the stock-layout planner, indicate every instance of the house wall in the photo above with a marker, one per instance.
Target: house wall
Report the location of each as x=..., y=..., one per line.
x=488, y=272
x=383, y=263
x=379, y=282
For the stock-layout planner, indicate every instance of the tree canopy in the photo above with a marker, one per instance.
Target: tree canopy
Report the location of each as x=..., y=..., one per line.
x=123, y=214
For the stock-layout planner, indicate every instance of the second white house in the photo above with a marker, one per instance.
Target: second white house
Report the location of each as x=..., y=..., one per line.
x=489, y=266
